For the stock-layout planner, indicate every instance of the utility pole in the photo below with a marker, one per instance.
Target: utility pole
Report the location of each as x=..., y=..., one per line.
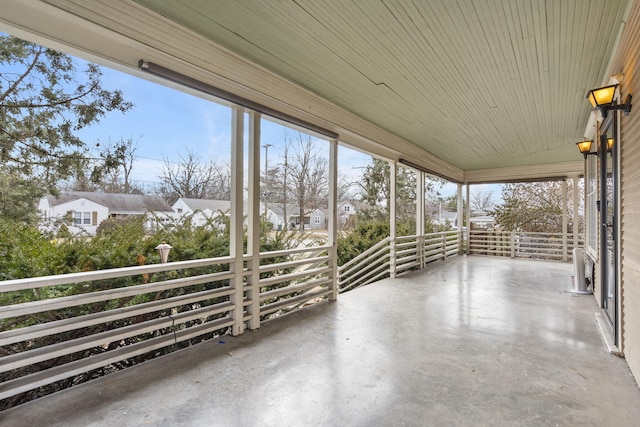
x=266, y=177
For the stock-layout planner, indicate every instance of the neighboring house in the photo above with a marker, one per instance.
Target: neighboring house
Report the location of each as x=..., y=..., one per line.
x=345, y=211
x=314, y=219
x=481, y=220
x=317, y=219
x=276, y=216
x=201, y=210
x=82, y=212
x=445, y=217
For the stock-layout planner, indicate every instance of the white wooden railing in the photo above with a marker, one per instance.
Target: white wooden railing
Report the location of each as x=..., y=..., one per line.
x=391, y=258
x=66, y=325
x=58, y=327
x=544, y=246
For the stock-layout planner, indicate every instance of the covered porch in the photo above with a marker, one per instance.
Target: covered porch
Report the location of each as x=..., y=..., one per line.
x=468, y=340
x=481, y=340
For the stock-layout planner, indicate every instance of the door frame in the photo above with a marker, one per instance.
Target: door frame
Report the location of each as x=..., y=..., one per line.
x=610, y=126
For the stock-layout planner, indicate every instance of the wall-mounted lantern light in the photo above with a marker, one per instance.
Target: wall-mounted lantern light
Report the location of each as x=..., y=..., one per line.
x=602, y=99
x=585, y=147
x=610, y=144
x=163, y=250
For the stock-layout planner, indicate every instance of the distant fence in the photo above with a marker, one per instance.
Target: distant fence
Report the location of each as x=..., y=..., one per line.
x=544, y=246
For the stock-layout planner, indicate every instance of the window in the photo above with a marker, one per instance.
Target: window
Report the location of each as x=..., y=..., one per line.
x=346, y=208
x=591, y=189
x=81, y=218
x=316, y=219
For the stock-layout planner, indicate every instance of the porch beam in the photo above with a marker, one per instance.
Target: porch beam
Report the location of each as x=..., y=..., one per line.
x=541, y=172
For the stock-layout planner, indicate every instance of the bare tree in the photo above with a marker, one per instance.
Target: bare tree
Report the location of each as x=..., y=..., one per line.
x=106, y=168
x=347, y=188
x=307, y=174
x=190, y=177
x=481, y=200
x=118, y=159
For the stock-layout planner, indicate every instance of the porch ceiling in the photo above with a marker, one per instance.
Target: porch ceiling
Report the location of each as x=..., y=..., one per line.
x=478, y=84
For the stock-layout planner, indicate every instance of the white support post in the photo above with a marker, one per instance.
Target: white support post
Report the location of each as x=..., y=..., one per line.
x=333, y=218
x=512, y=243
x=576, y=206
x=420, y=217
x=468, y=215
x=236, y=233
x=460, y=220
x=565, y=220
x=443, y=242
x=393, y=166
x=253, y=222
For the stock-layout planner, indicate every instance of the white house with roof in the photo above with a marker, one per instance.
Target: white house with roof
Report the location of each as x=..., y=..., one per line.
x=481, y=220
x=348, y=208
x=82, y=212
x=315, y=219
x=203, y=210
x=444, y=217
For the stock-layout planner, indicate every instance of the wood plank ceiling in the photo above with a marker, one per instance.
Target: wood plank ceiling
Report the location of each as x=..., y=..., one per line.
x=479, y=84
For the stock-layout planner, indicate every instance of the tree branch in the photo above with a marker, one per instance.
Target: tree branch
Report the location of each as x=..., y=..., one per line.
x=24, y=75
x=52, y=104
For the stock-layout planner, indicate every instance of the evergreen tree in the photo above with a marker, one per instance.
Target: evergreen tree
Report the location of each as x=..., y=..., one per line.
x=44, y=102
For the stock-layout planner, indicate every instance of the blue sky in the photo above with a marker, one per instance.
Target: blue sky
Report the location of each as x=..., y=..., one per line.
x=163, y=122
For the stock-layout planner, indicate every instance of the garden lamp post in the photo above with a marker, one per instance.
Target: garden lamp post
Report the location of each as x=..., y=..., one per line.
x=163, y=250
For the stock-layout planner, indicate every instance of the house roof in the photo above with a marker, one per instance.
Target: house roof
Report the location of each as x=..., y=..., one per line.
x=115, y=202
x=277, y=209
x=358, y=204
x=292, y=210
x=204, y=204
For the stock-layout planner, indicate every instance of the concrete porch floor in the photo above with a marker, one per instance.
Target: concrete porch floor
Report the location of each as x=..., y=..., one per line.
x=470, y=341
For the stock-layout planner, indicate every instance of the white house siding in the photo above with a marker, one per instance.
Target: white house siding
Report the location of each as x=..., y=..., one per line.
x=626, y=61
x=95, y=213
x=182, y=208
x=201, y=209
x=345, y=211
x=317, y=220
